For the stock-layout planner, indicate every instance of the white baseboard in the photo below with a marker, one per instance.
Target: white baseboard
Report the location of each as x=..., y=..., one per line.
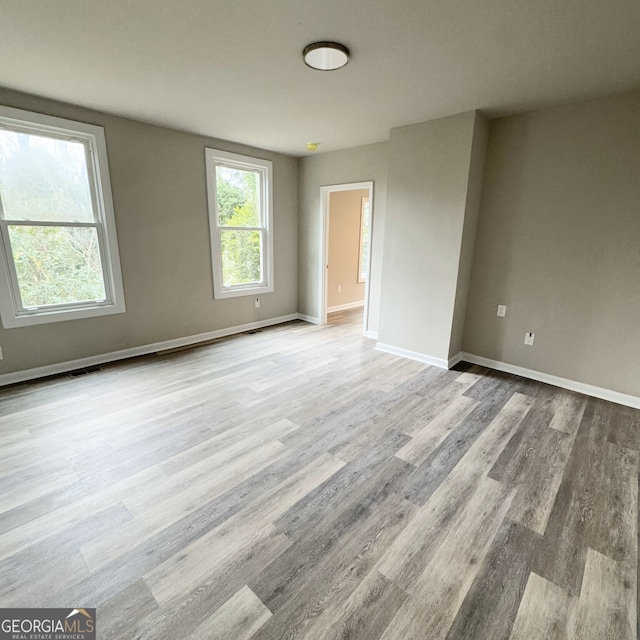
x=143, y=350
x=453, y=361
x=564, y=383
x=344, y=307
x=306, y=318
x=413, y=355
x=72, y=365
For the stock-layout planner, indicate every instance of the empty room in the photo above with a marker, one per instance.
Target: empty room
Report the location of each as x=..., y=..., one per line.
x=319, y=320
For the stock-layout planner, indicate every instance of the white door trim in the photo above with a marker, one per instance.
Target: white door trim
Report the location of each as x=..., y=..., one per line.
x=325, y=192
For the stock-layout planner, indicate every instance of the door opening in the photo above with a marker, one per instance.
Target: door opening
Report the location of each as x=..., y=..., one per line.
x=345, y=271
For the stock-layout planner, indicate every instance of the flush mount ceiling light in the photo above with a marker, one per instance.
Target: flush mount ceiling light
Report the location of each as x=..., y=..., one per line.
x=325, y=56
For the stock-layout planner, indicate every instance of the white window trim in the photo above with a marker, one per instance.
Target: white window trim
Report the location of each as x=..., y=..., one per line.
x=10, y=312
x=214, y=157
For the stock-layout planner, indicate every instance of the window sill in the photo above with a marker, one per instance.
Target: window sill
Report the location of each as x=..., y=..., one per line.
x=12, y=320
x=244, y=291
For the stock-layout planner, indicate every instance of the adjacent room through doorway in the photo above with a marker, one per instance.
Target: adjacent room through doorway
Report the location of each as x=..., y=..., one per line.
x=347, y=228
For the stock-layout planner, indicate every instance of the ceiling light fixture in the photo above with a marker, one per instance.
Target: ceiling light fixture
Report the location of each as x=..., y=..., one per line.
x=325, y=56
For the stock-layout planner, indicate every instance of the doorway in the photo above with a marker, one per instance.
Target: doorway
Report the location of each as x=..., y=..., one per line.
x=345, y=278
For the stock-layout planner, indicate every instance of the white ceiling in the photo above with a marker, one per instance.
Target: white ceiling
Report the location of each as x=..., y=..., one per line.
x=233, y=68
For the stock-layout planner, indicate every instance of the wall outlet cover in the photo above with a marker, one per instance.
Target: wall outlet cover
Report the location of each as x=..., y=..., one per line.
x=529, y=338
x=502, y=310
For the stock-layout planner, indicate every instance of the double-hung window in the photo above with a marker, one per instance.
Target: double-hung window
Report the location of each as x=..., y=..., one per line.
x=58, y=247
x=240, y=221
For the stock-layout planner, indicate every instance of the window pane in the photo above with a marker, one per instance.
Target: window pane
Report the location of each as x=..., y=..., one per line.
x=241, y=257
x=43, y=179
x=57, y=265
x=238, y=197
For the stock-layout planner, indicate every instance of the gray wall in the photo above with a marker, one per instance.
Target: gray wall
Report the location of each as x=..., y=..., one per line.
x=159, y=192
x=558, y=239
x=359, y=164
x=559, y=243
x=429, y=169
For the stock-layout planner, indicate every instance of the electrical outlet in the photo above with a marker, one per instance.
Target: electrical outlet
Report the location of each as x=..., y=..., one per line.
x=1, y=356
x=529, y=338
x=502, y=310
x=339, y=288
x=257, y=303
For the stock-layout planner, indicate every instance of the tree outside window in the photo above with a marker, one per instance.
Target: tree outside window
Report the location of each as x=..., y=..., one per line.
x=240, y=220
x=58, y=247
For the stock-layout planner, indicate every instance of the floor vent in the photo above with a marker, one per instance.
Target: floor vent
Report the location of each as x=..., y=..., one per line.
x=84, y=372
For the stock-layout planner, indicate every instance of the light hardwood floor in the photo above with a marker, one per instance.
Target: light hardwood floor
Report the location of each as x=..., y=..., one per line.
x=295, y=483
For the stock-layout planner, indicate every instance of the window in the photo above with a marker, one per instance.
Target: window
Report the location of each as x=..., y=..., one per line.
x=59, y=254
x=240, y=221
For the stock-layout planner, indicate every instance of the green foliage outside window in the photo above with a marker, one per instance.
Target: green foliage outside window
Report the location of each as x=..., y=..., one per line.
x=45, y=179
x=238, y=206
x=56, y=265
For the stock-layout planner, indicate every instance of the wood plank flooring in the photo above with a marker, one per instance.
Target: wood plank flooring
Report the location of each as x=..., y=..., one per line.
x=295, y=483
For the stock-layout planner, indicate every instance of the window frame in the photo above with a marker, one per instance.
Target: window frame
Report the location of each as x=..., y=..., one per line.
x=213, y=159
x=12, y=312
